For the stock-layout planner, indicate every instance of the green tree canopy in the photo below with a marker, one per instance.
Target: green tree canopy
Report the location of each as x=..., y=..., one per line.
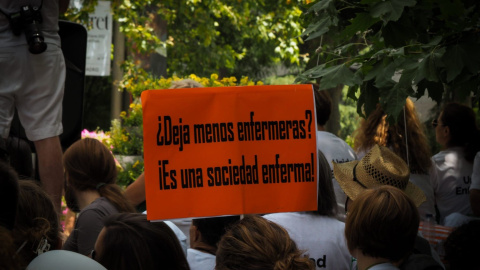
x=239, y=37
x=386, y=50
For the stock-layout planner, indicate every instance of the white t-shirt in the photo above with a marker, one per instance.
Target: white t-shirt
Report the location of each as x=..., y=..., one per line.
x=322, y=237
x=198, y=260
x=336, y=150
x=476, y=173
x=180, y=235
x=451, y=177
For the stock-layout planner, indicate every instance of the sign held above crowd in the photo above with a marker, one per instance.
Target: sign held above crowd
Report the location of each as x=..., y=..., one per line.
x=229, y=151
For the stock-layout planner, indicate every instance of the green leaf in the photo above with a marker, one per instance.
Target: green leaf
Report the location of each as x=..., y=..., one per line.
x=390, y=10
x=371, y=95
x=318, y=29
x=336, y=75
x=463, y=90
x=352, y=91
x=430, y=65
x=321, y=5
x=311, y=74
x=435, y=90
x=385, y=74
x=392, y=101
x=453, y=59
x=471, y=58
x=360, y=23
x=397, y=34
x=316, y=26
x=373, y=72
x=434, y=41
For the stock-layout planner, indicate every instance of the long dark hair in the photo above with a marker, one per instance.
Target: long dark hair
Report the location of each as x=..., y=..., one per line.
x=89, y=165
x=326, y=202
x=464, y=131
x=130, y=241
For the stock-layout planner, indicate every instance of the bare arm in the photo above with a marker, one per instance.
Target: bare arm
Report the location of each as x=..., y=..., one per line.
x=135, y=192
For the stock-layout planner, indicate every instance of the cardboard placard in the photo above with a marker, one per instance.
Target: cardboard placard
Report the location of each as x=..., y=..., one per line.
x=229, y=150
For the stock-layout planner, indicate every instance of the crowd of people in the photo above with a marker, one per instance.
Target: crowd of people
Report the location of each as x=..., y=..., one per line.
x=389, y=188
x=378, y=202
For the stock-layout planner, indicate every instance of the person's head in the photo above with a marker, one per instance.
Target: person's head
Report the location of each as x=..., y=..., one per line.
x=462, y=246
x=379, y=167
x=326, y=202
x=456, y=126
x=130, y=241
x=376, y=129
x=185, y=83
x=90, y=166
x=382, y=223
x=323, y=105
x=209, y=231
x=37, y=226
x=64, y=259
x=256, y=243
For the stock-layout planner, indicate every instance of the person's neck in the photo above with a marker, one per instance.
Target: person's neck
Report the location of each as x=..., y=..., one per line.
x=203, y=247
x=365, y=262
x=84, y=198
x=321, y=128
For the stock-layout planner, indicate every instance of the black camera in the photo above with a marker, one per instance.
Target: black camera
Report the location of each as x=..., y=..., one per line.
x=28, y=20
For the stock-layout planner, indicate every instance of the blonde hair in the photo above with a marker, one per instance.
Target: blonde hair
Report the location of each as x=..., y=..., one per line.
x=186, y=83
x=256, y=243
x=376, y=130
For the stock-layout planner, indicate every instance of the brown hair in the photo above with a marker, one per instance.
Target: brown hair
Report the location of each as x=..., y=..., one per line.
x=376, y=130
x=463, y=128
x=382, y=223
x=323, y=105
x=36, y=219
x=89, y=165
x=185, y=83
x=130, y=241
x=326, y=202
x=256, y=243
x=8, y=259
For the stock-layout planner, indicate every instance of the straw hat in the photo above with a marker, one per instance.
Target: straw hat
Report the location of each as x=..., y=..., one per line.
x=378, y=167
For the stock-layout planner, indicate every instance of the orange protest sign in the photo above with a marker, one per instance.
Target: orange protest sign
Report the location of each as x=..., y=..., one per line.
x=229, y=150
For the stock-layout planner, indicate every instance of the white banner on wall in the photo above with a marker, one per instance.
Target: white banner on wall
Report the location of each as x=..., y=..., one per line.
x=99, y=41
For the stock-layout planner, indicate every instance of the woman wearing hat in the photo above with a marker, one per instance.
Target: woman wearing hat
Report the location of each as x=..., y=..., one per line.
x=378, y=168
x=406, y=138
x=457, y=132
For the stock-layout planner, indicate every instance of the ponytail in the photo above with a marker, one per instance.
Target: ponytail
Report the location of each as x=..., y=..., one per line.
x=114, y=194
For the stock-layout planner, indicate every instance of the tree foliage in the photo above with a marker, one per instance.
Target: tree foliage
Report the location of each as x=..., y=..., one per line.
x=386, y=50
x=239, y=37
